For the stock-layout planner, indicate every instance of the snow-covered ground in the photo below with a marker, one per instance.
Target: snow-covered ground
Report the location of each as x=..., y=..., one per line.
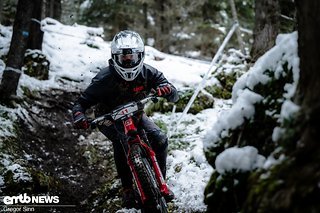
x=188, y=169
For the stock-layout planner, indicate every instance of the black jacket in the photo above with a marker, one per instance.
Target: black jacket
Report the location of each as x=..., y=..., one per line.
x=108, y=90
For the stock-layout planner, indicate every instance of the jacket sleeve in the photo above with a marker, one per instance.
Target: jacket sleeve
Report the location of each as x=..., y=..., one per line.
x=173, y=96
x=157, y=78
x=84, y=102
x=87, y=98
x=94, y=92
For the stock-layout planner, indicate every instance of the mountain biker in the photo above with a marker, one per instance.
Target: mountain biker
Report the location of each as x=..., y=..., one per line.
x=126, y=79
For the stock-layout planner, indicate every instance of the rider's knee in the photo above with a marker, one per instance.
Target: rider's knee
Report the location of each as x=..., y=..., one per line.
x=159, y=141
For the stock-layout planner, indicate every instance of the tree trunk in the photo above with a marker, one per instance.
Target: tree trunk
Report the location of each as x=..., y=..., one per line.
x=267, y=16
x=302, y=177
x=145, y=21
x=309, y=87
x=1, y=6
x=309, y=47
x=57, y=10
x=162, y=28
x=53, y=9
x=121, y=20
x=36, y=34
x=17, y=49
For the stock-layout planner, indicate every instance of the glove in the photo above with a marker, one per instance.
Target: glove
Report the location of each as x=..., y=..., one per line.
x=164, y=90
x=80, y=121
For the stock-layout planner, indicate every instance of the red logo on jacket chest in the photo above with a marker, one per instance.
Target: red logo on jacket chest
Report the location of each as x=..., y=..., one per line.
x=138, y=88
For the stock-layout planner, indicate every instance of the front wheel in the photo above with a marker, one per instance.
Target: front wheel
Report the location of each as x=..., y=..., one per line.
x=154, y=202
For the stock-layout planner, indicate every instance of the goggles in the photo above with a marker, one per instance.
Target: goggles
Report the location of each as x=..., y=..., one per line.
x=128, y=59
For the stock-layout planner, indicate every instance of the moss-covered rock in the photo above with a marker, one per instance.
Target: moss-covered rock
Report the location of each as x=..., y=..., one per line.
x=223, y=90
x=36, y=64
x=30, y=94
x=258, y=130
x=226, y=75
x=203, y=101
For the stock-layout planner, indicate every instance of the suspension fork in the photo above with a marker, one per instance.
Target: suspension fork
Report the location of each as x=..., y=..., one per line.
x=155, y=166
x=131, y=131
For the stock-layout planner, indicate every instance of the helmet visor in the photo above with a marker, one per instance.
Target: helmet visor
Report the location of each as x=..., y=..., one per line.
x=128, y=60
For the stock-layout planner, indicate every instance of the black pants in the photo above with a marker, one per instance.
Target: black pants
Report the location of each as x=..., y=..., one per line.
x=157, y=139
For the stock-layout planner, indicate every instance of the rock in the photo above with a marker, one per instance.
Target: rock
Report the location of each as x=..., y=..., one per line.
x=36, y=64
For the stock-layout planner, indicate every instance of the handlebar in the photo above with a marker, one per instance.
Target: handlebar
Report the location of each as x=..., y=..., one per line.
x=123, y=111
x=153, y=98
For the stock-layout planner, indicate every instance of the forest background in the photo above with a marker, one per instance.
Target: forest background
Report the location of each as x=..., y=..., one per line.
x=184, y=27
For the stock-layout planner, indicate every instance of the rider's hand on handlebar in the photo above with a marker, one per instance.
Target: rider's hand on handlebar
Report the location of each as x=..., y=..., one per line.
x=80, y=121
x=163, y=90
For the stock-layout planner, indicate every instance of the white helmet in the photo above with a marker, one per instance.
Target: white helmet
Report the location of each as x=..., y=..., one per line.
x=127, y=52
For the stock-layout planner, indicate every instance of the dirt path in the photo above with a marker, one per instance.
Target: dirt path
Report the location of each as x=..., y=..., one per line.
x=53, y=145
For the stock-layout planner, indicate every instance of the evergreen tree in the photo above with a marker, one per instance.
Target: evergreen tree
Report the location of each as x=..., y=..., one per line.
x=7, y=11
x=113, y=15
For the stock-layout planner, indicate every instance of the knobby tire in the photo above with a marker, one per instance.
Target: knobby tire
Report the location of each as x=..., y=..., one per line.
x=155, y=201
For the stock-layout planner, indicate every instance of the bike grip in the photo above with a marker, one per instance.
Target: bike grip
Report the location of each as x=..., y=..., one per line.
x=93, y=125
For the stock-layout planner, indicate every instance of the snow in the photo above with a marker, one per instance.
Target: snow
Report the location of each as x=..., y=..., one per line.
x=77, y=52
x=239, y=159
x=288, y=108
x=1, y=182
x=19, y=173
x=7, y=118
x=8, y=164
x=242, y=109
x=285, y=50
x=5, y=37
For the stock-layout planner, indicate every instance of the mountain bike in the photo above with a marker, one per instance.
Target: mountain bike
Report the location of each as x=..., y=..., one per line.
x=147, y=177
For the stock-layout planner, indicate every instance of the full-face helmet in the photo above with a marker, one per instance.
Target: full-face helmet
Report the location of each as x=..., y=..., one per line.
x=127, y=52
